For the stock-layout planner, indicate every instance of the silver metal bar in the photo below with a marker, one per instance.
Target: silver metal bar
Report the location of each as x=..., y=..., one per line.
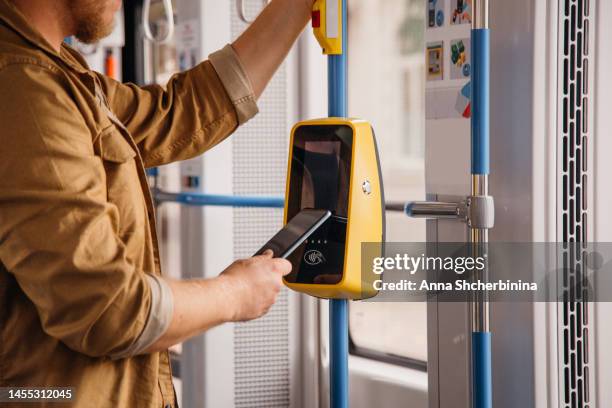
x=395, y=207
x=480, y=300
x=479, y=242
x=480, y=185
x=433, y=209
x=162, y=196
x=480, y=14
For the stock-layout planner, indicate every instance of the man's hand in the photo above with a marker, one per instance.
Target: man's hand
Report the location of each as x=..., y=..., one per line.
x=253, y=285
x=244, y=291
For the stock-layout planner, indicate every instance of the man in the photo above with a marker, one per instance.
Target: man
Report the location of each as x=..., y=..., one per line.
x=82, y=300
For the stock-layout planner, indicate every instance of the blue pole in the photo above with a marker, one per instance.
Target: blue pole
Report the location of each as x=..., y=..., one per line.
x=482, y=384
x=338, y=345
x=480, y=101
x=337, y=71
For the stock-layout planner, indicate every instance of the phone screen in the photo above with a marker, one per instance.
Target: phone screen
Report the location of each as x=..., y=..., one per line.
x=297, y=230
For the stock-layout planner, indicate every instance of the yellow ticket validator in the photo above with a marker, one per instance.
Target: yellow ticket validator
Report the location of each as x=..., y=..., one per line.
x=334, y=165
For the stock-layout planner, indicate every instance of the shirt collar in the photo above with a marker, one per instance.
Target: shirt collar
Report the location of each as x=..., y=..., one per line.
x=13, y=18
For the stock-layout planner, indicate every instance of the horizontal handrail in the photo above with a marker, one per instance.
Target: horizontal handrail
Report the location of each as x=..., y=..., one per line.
x=215, y=200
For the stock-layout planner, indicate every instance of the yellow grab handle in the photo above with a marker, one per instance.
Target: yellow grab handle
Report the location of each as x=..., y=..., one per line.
x=327, y=25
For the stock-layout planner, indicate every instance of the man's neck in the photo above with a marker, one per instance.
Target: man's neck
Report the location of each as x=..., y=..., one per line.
x=49, y=18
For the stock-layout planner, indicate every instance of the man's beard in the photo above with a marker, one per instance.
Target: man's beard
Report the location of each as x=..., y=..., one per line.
x=88, y=18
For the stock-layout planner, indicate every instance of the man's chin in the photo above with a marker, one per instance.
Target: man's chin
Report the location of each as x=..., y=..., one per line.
x=91, y=35
x=94, y=19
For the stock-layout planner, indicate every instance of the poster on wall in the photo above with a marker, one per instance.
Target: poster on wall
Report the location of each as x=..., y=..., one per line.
x=435, y=13
x=461, y=12
x=460, y=54
x=463, y=107
x=435, y=61
x=448, y=59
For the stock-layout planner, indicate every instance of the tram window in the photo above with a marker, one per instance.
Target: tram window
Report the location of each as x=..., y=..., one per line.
x=386, y=86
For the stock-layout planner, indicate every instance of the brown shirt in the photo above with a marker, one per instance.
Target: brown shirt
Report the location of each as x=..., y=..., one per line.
x=77, y=236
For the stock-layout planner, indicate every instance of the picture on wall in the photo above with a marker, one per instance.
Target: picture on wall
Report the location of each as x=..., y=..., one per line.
x=435, y=61
x=435, y=13
x=461, y=11
x=460, y=54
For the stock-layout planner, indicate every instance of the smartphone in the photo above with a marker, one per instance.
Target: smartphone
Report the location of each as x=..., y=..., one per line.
x=298, y=230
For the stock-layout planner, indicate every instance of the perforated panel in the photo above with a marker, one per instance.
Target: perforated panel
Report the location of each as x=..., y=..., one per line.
x=575, y=353
x=262, y=363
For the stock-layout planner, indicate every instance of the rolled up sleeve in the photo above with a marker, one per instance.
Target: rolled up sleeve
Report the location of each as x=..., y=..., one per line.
x=236, y=81
x=160, y=317
x=58, y=233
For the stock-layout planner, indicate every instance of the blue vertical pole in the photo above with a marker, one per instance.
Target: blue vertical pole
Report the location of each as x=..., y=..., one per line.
x=482, y=383
x=337, y=73
x=338, y=308
x=480, y=101
x=338, y=353
x=482, y=386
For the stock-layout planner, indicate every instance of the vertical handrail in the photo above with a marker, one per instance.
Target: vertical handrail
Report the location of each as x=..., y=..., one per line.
x=482, y=386
x=337, y=71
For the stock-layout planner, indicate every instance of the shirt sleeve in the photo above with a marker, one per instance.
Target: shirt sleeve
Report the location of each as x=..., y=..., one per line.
x=58, y=233
x=160, y=317
x=196, y=110
x=236, y=82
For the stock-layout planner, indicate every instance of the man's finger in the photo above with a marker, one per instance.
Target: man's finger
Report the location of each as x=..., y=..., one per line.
x=282, y=266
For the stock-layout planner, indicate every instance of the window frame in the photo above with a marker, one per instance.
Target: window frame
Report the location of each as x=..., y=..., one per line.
x=383, y=357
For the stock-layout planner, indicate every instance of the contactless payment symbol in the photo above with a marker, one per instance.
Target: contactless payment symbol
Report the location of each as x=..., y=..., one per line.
x=314, y=257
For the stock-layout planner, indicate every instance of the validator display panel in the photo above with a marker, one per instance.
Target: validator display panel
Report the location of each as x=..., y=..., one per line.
x=320, y=179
